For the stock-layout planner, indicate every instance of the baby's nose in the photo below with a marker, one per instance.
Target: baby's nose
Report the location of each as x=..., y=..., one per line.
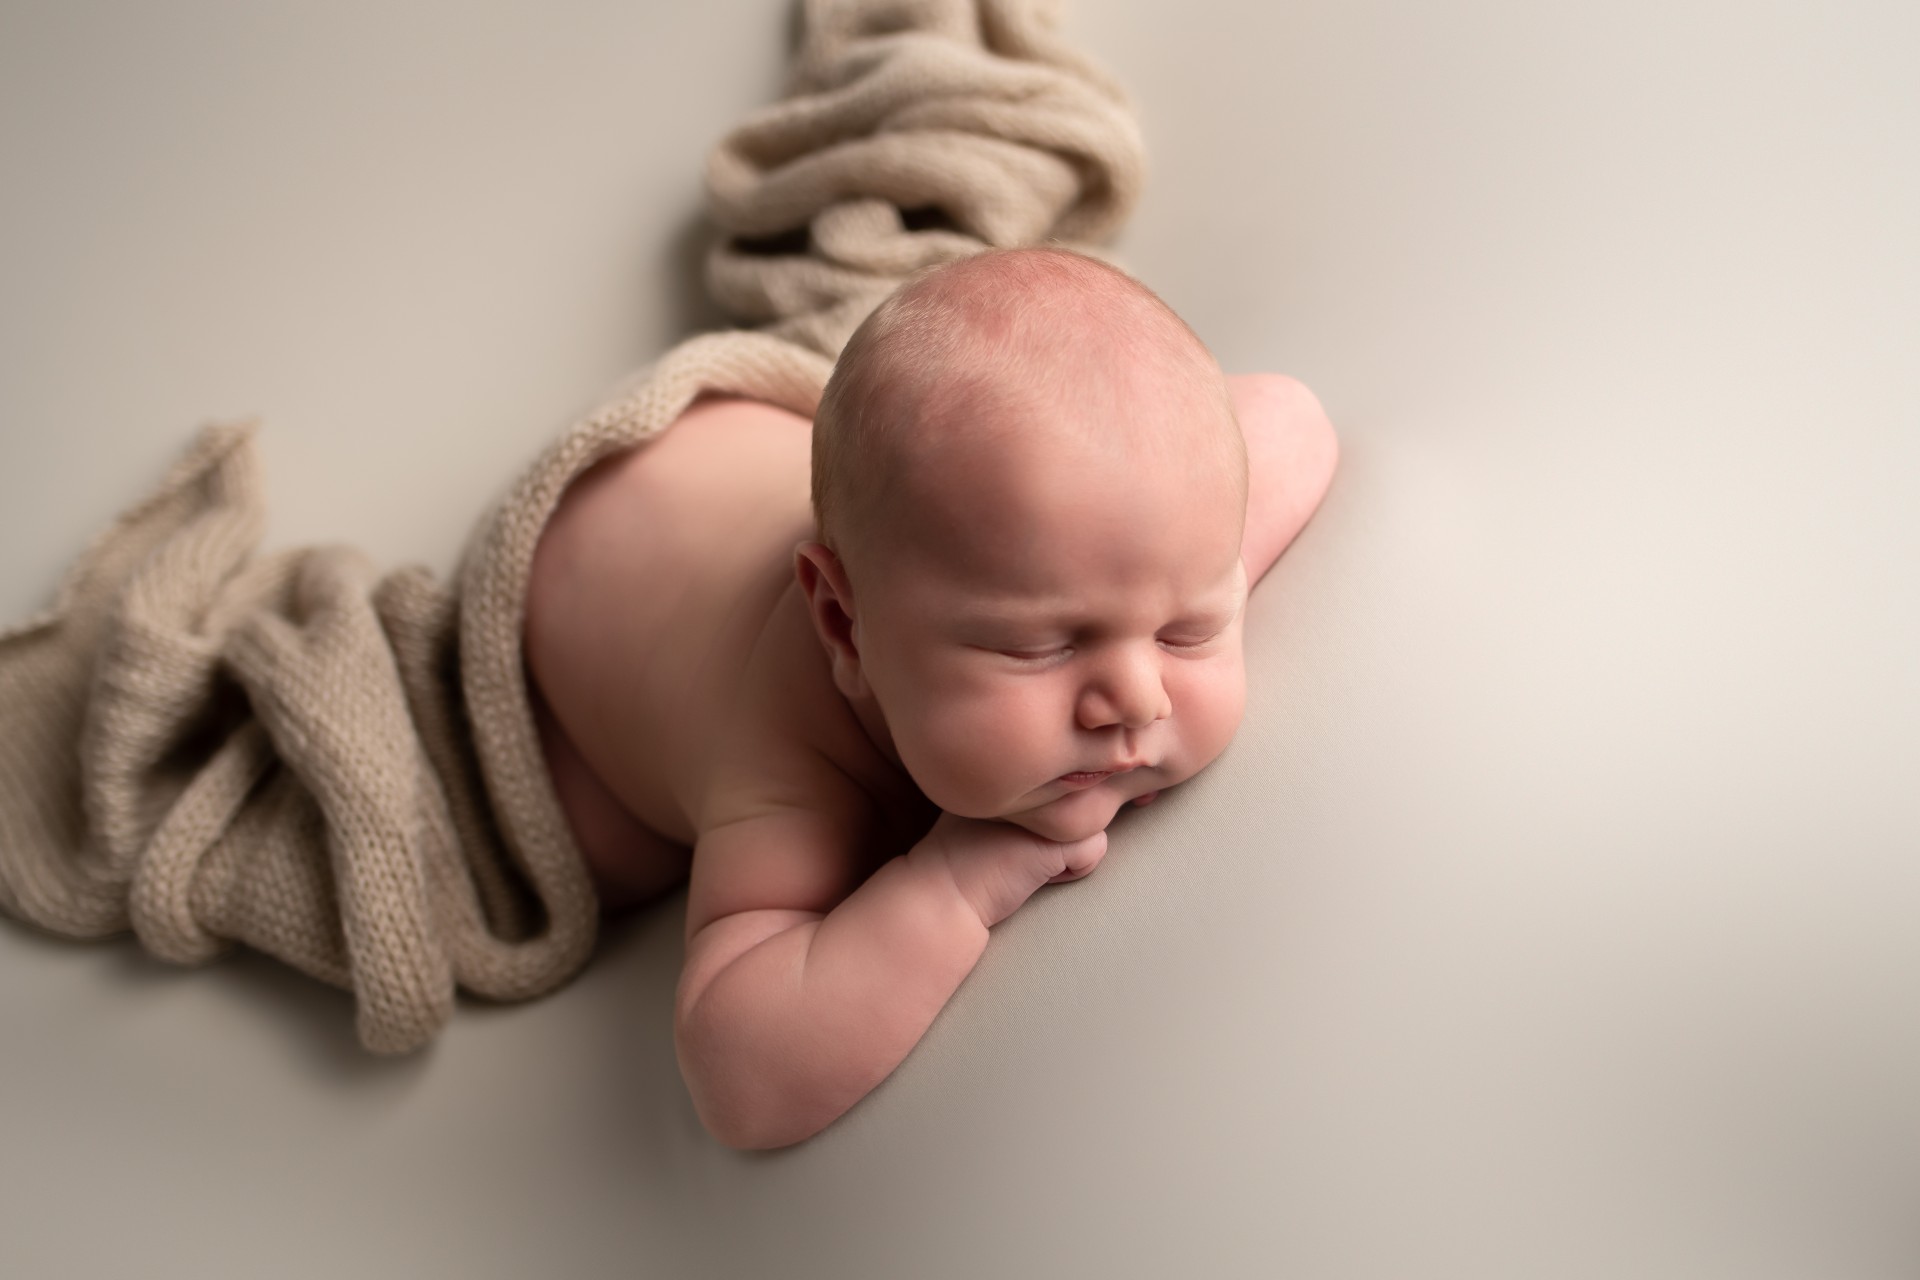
x=1126, y=690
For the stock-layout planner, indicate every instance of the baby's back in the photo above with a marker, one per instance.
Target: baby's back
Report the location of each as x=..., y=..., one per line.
x=669, y=640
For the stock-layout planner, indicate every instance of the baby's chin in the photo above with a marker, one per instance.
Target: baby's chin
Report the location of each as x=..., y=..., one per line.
x=1071, y=817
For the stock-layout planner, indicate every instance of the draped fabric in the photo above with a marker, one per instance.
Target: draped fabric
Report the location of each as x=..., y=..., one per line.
x=293, y=752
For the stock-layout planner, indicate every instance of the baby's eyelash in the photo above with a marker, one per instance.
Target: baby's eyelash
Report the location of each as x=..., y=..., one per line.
x=1031, y=657
x=1019, y=656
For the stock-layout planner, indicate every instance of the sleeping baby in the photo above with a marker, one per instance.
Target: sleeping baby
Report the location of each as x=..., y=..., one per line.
x=868, y=683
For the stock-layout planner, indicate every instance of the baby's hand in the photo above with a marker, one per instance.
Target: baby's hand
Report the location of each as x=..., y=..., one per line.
x=997, y=866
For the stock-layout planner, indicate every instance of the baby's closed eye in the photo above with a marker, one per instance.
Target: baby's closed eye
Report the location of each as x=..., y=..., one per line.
x=1035, y=654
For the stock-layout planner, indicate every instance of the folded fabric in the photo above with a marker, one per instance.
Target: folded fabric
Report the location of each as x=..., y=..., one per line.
x=339, y=768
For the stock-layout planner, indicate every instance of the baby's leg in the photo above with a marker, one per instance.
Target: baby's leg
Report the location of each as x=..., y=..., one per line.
x=1291, y=452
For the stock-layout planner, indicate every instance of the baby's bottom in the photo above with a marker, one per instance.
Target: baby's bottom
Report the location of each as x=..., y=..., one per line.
x=630, y=863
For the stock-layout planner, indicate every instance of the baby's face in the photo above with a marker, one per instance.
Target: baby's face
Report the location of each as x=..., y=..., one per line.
x=1073, y=612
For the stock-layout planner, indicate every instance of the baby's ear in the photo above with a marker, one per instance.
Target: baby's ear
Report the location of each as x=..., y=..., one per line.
x=818, y=569
x=829, y=597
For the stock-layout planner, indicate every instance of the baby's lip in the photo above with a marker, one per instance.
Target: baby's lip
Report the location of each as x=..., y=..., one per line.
x=1108, y=771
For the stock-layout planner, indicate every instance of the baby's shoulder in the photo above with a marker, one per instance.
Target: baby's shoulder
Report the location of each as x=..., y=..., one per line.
x=787, y=726
x=799, y=807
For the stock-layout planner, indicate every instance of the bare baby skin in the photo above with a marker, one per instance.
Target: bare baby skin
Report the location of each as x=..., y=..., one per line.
x=862, y=750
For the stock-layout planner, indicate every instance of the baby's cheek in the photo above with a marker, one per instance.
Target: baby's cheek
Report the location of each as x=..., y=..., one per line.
x=1215, y=704
x=979, y=742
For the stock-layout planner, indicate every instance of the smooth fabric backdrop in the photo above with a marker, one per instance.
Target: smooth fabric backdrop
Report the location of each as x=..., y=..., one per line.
x=1554, y=912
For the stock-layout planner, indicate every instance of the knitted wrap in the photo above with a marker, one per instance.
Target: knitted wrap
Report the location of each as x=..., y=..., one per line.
x=341, y=769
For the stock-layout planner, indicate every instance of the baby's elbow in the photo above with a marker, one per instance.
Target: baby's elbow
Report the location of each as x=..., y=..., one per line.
x=736, y=1133
x=744, y=1129
x=738, y=1094
x=724, y=1106
x=1286, y=427
x=1320, y=452
x=765, y=1139
x=1317, y=451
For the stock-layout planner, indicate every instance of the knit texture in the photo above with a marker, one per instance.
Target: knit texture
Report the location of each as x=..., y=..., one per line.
x=341, y=769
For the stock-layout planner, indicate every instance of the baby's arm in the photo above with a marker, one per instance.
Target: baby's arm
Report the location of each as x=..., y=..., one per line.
x=786, y=1017
x=1291, y=454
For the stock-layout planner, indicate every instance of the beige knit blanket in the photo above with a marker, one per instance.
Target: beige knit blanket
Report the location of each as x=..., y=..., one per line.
x=339, y=768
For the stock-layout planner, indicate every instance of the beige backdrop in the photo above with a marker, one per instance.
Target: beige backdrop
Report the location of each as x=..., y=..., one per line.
x=1554, y=913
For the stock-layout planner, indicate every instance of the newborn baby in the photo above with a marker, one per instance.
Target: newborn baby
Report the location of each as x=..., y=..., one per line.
x=873, y=681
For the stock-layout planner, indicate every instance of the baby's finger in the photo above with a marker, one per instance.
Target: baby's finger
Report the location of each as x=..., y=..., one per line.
x=1082, y=856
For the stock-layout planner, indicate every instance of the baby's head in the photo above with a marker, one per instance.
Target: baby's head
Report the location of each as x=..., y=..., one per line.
x=1030, y=492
